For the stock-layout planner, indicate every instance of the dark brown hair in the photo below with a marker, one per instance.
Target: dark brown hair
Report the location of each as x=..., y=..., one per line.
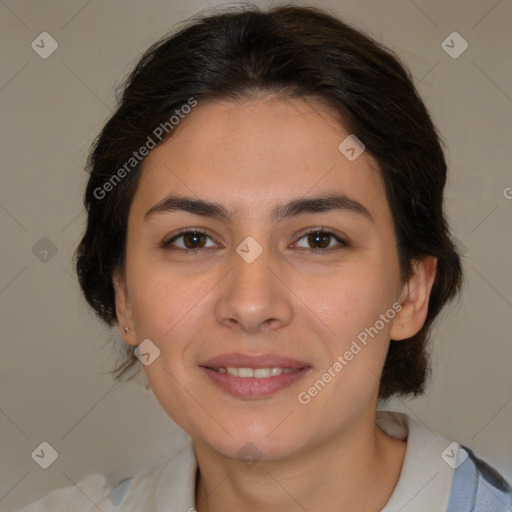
x=298, y=52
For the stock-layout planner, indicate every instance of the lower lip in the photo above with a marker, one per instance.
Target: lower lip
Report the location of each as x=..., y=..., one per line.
x=252, y=387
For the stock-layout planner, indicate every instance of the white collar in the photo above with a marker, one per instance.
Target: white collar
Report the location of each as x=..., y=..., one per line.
x=424, y=484
x=426, y=478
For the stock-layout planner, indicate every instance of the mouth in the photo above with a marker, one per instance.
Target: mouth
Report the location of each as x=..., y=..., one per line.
x=257, y=373
x=253, y=377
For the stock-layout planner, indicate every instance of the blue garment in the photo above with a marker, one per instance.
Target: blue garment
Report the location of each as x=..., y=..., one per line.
x=478, y=487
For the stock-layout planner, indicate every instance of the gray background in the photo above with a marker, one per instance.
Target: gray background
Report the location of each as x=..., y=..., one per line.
x=56, y=355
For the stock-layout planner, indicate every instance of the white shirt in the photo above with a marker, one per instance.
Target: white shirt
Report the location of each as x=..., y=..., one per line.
x=424, y=484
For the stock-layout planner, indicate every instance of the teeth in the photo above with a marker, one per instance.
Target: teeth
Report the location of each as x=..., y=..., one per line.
x=258, y=373
x=261, y=372
x=245, y=372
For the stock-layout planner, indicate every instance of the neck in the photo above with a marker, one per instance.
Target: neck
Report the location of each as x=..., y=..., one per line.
x=356, y=470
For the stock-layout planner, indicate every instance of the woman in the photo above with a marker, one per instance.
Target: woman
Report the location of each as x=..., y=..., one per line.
x=266, y=226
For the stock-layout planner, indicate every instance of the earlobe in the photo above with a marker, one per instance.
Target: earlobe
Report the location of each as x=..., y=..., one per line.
x=414, y=299
x=123, y=309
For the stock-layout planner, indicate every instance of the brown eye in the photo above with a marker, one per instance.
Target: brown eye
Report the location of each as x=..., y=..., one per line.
x=319, y=241
x=193, y=240
x=190, y=240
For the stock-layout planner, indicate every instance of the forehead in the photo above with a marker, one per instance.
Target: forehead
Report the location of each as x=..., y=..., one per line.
x=253, y=154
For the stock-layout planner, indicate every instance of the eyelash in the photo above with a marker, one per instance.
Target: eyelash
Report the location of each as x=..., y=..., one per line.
x=342, y=243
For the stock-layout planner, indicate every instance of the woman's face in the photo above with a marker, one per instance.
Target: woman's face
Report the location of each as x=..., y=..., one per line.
x=256, y=290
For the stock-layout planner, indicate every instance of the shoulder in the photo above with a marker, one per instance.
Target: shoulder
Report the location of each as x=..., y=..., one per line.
x=138, y=492
x=84, y=496
x=440, y=474
x=169, y=483
x=477, y=486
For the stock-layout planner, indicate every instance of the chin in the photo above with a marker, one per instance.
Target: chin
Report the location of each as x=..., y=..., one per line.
x=254, y=443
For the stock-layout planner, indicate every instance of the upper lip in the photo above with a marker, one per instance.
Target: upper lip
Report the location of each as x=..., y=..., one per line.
x=237, y=360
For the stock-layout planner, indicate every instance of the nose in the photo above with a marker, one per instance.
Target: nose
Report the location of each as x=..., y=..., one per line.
x=254, y=296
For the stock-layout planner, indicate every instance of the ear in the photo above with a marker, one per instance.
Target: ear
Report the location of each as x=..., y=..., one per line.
x=414, y=299
x=123, y=308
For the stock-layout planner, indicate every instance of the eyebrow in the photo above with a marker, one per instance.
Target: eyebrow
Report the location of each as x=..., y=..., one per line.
x=204, y=208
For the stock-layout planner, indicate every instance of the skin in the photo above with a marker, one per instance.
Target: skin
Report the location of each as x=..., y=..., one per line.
x=251, y=156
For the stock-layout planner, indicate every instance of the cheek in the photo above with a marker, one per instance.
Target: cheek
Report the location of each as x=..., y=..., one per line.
x=351, y=305
x=349, y=302
x=170, y=307
x=163, y=296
